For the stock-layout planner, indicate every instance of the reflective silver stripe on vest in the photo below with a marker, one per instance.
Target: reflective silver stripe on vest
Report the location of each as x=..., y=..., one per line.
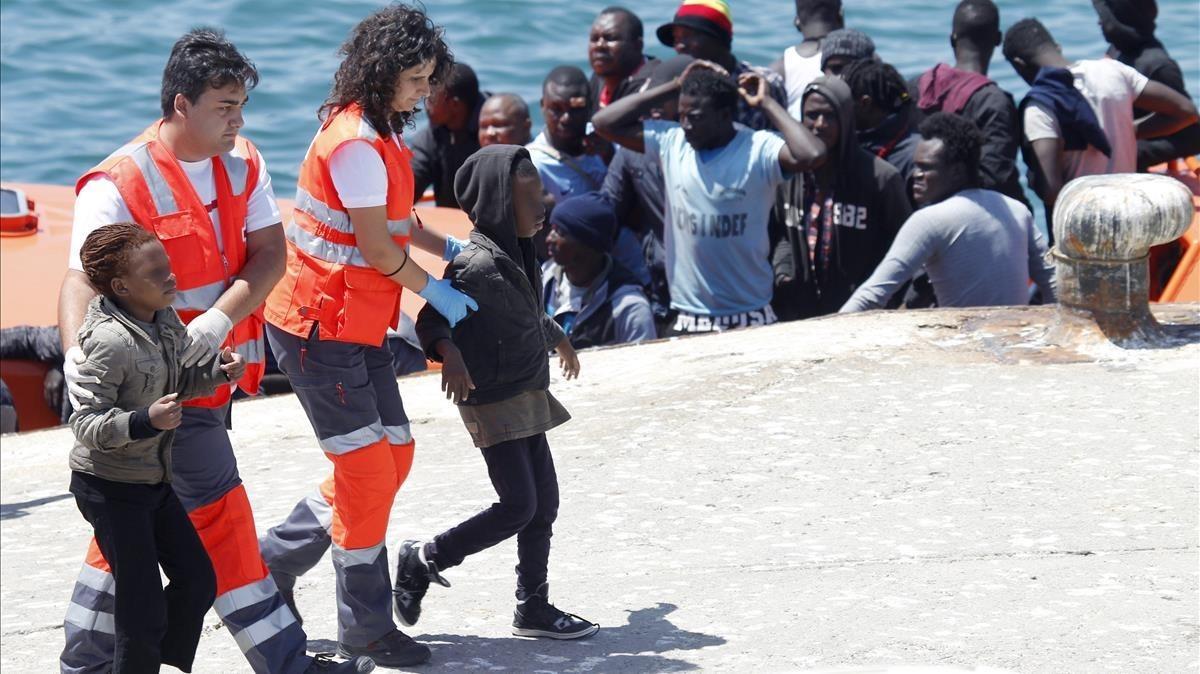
x=199, y=299
x=365, y=130
x=125, y=150
x=355, y=439
x=252, y=351
x=323, y=249
x=340, y=220
x=398, y=435
x=160, y=191
x=333, y=218
x=279, y=620
x=359, y=556
x=247, y=595
x=238, y=169
x=85, y=618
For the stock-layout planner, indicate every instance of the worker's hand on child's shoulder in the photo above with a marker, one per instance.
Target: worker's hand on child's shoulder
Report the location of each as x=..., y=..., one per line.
x=232, y=364
x=567, y=359
x=166, y=413
x=456, y=381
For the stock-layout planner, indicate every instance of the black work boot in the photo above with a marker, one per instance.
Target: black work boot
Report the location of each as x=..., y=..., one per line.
x=394, y=649
x=413, y=574
x=535, y=616
x=323, y=663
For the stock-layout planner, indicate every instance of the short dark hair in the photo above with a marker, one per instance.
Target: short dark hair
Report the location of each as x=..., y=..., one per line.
x=961, y=140
x=461, y=83
x=706, y=83
x=819, y=10
x=105, y=252
x=380, y=47
x=1025, y=39
x=514, y=100
x=565, y=76
x=977, y=21
x=877, y=80
x=635, y=23
x=200, y=60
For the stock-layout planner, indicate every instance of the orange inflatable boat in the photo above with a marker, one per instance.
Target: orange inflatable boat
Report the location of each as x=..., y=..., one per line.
x=35, y=238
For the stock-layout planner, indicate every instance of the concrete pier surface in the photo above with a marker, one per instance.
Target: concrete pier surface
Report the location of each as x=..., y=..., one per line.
x=974, y=490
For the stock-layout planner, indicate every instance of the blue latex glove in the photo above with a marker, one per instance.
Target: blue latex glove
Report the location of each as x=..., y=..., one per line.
x=453, y=248
x=448, y=301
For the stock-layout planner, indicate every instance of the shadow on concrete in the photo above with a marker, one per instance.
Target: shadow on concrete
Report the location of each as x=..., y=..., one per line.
x=10, y=511
x=636, y=646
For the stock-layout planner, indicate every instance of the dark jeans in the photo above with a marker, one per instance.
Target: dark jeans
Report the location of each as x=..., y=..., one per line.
x=139, y=527
x=522, y=472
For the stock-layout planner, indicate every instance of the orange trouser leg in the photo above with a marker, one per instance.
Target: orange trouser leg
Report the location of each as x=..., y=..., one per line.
x=364, y=487
x=226, y=527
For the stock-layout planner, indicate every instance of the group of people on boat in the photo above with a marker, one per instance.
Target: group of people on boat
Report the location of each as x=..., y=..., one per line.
x=664, y=197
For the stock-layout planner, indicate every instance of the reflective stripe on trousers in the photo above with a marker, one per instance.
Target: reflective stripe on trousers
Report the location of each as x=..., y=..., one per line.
x=350, y=395
x=206, y=481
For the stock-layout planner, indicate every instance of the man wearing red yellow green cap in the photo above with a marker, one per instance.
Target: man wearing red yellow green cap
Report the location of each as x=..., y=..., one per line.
x=703, y=29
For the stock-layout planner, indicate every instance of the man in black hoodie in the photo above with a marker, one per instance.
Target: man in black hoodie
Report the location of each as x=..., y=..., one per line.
x=841, y=217
x=494, y=367
x=1128, y=26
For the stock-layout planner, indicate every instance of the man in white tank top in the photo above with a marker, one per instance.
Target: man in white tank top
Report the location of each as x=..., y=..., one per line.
x=801, y=63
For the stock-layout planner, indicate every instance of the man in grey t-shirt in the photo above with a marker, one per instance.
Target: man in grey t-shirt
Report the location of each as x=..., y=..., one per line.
x=979, y=247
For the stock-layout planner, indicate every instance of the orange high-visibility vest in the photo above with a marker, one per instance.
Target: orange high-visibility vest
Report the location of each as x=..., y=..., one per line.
x=328, y=281
x=160, y=198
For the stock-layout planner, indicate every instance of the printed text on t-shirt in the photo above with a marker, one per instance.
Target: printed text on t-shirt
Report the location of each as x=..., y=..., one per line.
x=718, y=225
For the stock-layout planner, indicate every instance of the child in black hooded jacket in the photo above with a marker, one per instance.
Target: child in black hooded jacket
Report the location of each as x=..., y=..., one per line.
x=494, y=367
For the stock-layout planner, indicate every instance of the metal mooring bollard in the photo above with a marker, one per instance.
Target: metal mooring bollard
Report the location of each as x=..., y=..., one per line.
x=1104, y=227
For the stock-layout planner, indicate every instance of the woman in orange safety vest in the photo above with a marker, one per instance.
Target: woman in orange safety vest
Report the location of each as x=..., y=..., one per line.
x=347, y=264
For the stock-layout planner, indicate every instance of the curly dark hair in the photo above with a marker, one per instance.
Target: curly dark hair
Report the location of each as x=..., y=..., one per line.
x=961, y=140
x=105, y=252
x=877, y=80
x=391, y=40
x=720, y=89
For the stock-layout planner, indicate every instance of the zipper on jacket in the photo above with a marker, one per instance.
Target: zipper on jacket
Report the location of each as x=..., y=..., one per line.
x=341, y=391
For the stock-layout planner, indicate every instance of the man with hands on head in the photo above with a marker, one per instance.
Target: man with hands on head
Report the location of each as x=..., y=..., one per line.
x=721, y=180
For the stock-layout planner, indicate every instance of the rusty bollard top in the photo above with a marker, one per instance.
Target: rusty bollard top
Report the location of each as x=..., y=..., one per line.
x=1104, y=227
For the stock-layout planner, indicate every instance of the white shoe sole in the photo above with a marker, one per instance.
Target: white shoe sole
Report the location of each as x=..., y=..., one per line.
x=543, y=634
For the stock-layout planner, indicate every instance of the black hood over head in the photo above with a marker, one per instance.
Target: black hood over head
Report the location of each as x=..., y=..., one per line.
x=484, y=188
x=1130, y=22
x=837, y=92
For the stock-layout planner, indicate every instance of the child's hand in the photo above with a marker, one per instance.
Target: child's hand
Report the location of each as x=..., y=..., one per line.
x=233, y=365
x=166, y=413
x=567, y=359
x=456, y=381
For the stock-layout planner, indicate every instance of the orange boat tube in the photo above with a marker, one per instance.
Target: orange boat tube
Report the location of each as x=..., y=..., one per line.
x=34, y=261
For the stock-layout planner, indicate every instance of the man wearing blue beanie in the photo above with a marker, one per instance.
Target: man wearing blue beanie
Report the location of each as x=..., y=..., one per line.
x=595, y=299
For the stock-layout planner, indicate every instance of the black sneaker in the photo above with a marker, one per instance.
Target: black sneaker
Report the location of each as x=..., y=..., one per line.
x=413, y=574
x=537, y=617
x=394, y=649
x=323, y=663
